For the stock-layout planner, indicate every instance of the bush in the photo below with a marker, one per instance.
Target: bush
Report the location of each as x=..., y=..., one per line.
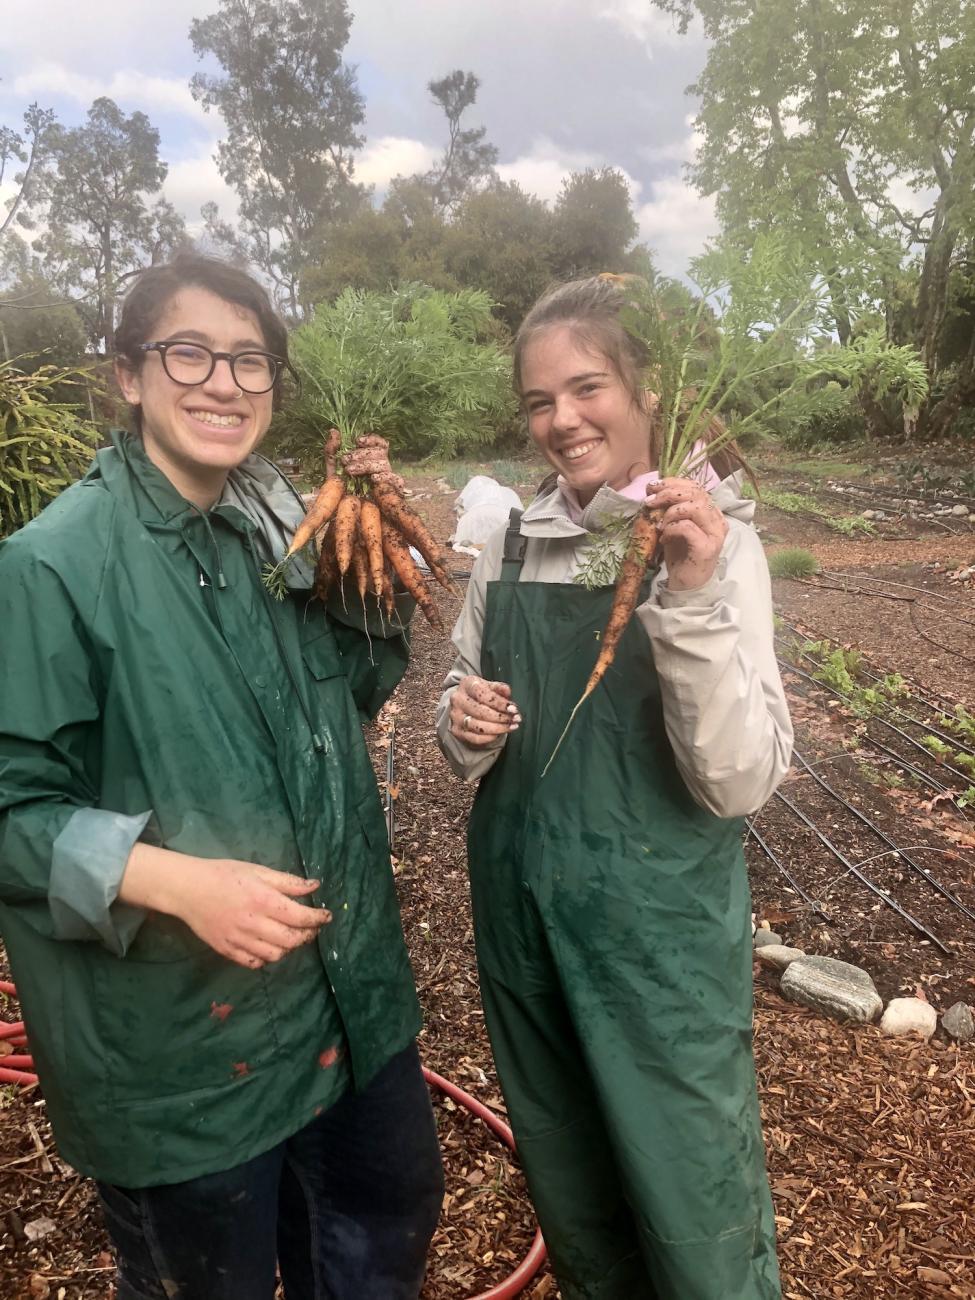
x=44, y=443
x=419, y=366
x=831, y=414
x=792, y=562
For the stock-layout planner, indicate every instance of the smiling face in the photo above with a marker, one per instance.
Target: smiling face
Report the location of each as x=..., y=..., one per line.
x=581, y=415
x=197, y=435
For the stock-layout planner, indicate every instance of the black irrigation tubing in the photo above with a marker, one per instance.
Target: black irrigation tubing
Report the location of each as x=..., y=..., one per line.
x=913, y=601
x=854, y=870
x=940, y=645
x=904, y=762
x=876, y=717
x=784, y=870
x=942, y=705
x=903, y=854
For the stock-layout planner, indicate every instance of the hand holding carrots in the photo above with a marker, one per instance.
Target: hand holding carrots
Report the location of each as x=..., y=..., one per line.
x=692, y=531
x=481, y=711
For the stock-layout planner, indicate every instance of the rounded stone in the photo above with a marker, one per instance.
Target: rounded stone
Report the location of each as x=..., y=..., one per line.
x=765, y=937
x=909, y=1017
x=835, y=988
x=778, y=955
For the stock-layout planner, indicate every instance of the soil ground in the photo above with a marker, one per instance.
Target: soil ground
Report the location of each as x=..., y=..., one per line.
x=870, y=1140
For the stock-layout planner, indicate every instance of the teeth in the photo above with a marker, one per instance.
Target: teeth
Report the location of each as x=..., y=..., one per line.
x=223, y=421
x=573, y=453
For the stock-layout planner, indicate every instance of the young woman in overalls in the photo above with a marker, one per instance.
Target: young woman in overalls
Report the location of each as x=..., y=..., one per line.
x=610, y=897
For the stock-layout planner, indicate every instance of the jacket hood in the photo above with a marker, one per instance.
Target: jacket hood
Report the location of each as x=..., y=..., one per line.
x=548, y=514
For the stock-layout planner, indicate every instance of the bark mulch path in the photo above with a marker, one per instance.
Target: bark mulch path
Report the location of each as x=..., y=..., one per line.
x=871, y=1141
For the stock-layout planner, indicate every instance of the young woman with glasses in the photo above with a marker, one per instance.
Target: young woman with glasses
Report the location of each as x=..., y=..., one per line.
x=195, y=891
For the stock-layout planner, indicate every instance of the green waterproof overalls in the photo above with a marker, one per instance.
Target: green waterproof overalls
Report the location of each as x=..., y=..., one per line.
x=612, y=926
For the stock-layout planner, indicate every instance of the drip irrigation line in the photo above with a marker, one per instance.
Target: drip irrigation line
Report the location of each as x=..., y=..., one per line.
x=783, y=869
x=885, y=838
x=854, y=870
x=940, y=645
x=943, y=705
x=876, y=717
x=887, y=582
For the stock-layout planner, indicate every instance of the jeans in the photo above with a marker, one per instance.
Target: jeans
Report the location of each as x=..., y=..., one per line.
x=346, y=1208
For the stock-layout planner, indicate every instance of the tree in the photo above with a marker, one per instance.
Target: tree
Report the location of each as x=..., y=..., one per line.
x=467, y=159
x=292, y=110
x=28, y=149
x=822, y=117
x=102, y=223
x=502, y=240
x=594, y=222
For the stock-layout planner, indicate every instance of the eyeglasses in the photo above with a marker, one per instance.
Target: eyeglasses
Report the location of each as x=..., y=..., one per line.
x=192, y=363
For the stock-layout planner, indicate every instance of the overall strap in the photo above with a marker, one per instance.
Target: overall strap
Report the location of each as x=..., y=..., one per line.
x=513, y=556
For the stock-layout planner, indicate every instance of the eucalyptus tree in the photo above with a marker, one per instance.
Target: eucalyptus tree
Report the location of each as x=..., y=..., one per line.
x=293, y=110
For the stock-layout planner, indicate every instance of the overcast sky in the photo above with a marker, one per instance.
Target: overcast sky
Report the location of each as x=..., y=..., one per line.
x=565, y=84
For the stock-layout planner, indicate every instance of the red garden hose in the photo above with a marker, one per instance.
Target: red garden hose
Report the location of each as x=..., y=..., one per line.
x=19, y=1069
x=514, y=1284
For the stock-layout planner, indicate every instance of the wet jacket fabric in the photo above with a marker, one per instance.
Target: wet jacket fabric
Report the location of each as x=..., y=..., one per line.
x=153, y=690
x=611, y=917
x=722, y=697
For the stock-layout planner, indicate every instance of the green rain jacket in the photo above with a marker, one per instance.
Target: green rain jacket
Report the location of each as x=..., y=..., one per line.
x=153, y=690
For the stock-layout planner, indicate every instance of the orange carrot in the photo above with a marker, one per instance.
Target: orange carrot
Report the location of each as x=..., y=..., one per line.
x=639, y=554
x=326, y=502
x=398, y=553
x=389, y=596
x=371, y=532
x=360, y=566
x=413, y=528
x=327, y=569
x=346, y=518
x=643, y=543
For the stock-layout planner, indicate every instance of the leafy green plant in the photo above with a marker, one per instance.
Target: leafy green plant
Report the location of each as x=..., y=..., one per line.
x=792, y=562
x=960, y=723
x=936, y=746
x=967, y=800
x=44, y=443
x=416, y=365
x=795, y=503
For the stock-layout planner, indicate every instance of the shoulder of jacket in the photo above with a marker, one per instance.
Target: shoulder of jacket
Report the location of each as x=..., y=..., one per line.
x=70, y=539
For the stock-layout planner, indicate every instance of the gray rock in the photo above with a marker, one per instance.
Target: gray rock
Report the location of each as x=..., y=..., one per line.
x=763, y=937
x=833, y=987
x=959, y=1022
x=960, y=511
x=778, y=955
x=909, y=1017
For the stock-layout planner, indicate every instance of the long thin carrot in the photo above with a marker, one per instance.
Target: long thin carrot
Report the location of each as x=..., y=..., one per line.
x=412, y=527
x=639, y=553
x=398, y=553
x=326, y=502
x=360, y=566
x=371, y=532
x=327, y=569
x=346, y=519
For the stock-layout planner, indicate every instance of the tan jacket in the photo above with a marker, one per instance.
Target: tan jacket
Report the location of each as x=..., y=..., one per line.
x=723, y=701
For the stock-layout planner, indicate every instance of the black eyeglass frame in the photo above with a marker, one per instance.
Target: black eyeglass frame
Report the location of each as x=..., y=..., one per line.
x=163, y=346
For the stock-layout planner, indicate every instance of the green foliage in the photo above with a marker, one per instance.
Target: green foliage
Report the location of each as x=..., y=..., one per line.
x=605, y=553
x=936, y=746
x=796, y=503
x=99, y=201
x=44, y=444
x=468, y=158
x=792, y=562
x=415, y=365
x=594, y=223
x=960, y=723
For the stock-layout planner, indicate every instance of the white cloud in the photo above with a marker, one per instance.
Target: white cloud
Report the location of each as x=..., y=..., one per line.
x=542, y=170
x=131, y=88
x=393, y=155
x=191, y=182
x=676, y=223
x=639, y=20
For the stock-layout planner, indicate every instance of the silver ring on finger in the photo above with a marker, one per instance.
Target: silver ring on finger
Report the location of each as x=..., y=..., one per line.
x=466, y=724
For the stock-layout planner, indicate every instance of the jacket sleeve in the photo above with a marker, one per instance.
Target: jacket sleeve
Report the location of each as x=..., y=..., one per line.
x=467, y=761
x=61, y=856
x=723, y=700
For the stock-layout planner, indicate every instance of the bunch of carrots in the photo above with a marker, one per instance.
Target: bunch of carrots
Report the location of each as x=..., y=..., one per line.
x=365, y=529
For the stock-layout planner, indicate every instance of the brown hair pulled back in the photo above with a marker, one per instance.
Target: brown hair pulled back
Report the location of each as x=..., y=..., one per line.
x=590, y=308
x=155, y=287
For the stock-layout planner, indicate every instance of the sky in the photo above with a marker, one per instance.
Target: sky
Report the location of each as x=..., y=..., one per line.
x=565, y=84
